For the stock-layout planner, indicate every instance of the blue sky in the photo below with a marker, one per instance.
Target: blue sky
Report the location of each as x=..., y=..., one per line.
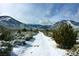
x=40, y=13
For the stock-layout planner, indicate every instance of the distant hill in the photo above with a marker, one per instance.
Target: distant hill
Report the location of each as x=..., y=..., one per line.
x=74, y=24
x=11, y=23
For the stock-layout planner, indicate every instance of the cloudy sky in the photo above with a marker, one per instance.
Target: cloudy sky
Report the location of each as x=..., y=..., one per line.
x=40, y=13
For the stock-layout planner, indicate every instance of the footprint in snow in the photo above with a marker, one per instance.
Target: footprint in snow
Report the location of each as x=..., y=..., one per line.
x=36, y=46
x=31, y=52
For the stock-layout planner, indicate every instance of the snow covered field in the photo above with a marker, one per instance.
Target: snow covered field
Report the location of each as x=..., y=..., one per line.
x=41, y=46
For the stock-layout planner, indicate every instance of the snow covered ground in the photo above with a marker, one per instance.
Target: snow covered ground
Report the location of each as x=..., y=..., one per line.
x=41, y=46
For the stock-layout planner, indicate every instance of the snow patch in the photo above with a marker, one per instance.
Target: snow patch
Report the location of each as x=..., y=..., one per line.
x=6, y=19
x=72, y=25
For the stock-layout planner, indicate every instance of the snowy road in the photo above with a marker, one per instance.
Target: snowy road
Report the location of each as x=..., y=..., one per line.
x=42, y=46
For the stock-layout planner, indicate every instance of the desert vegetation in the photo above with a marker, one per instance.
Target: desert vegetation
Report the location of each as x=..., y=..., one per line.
x=65, y=36
x=12, y=38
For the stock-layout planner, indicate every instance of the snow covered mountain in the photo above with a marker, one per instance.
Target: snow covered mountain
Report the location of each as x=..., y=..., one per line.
x=74, y=24
x=10, y=22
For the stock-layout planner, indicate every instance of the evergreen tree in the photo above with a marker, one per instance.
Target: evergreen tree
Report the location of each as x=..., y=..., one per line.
x=65, y=35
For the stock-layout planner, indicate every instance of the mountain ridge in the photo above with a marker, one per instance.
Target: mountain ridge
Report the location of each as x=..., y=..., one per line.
x=10, y=22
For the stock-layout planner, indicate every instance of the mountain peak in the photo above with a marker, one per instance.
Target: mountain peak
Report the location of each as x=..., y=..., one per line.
x=6, y=18
x=10, y=22
x=74, y=24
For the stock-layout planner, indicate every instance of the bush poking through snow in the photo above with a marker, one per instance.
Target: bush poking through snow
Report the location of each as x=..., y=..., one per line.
x=6, y=36
x=65, y=36
x=6, y=47
x=6, y=50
